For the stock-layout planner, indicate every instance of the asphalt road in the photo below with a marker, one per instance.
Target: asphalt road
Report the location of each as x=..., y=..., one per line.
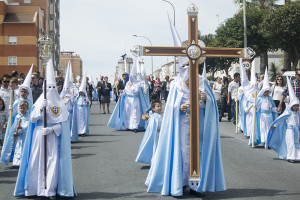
x=104, y=167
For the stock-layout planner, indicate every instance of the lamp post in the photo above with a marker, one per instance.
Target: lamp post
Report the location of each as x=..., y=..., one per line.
x=151, y=45
x=174, y=26
x=245, y=25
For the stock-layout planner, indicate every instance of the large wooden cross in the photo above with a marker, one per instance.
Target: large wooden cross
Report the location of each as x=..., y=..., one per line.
x=193, y=51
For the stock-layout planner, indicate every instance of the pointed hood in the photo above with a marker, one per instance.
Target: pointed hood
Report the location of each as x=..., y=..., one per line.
x=244, y=79
x=177, y=43
x=56, y=109
x=135, y=73
x=266, y=84
x=67, y=83
x=252, y=87
x=202, y=78
x=26, y=83
x=82, y=87
x=293, y=99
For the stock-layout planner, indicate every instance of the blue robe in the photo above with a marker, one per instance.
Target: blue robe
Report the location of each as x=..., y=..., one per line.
x=74, y=129
x=65, y=187
x=276, y=137
x=165, y=175
x=8, y=145
x=150, y=140
x=117, y=122
x=257, y=138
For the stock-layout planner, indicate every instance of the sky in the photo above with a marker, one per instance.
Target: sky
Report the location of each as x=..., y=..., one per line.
x=100, y=31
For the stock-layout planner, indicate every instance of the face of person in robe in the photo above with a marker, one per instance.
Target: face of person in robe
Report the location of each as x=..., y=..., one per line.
x=266, y=93
x=295, y=107
x=24, y=93
x=81, y=93
x=157, y=108
x=23, y=107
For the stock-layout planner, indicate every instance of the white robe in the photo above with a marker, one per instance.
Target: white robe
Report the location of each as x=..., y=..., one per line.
x=249, y=117
x=19, y=143
x=293, y=153
x=185, y=144
x=36, y=161
x=82, y=114
x=132, y=107
x=265, y=119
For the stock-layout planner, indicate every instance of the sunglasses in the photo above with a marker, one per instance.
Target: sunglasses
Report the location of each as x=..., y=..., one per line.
x=279, y=79
x=5, y=81
x=298, y=74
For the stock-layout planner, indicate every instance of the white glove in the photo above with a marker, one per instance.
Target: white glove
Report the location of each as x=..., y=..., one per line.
x=10, y=107
x=44, y=104
x=47, y=131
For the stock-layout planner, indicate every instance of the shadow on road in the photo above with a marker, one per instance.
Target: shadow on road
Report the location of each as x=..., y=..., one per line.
x=80, y=147
x=99, y=135
x=145, y=167
x=9, y=173
x=76, y=156
x=244, y=193
x=83, y=142
x=226, y=136
x=7, y=182
x=97, y=125
x=104, y=195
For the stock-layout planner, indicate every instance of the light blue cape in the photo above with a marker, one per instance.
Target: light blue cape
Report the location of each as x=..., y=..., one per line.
x=165, y=175
x=8, y=145
x=65, y=187
x=148, y=144
x=276, y=137
x=257, y=138
x=117, y=122
x=74, y=128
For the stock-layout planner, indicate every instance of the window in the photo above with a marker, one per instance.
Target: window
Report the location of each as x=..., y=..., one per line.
x=12, y=40
x=27, y=1
x=12, y=60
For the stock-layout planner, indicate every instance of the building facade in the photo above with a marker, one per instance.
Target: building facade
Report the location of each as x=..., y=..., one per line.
x=22, y=23
x=76, y=62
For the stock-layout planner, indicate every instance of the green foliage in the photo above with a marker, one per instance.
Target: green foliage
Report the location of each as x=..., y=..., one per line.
x=273, y=71
x=282, y=29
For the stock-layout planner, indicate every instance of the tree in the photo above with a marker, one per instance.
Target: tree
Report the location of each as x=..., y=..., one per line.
x=231, y=34
x=282, y=28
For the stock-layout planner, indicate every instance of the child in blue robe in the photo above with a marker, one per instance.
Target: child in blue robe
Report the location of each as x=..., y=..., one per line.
x=150, y=140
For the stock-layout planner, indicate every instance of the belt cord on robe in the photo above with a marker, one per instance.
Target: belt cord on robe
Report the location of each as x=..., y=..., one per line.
x=45, y=137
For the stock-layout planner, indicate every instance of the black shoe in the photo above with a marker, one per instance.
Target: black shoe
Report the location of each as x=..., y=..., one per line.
x=103, y=112
x=197, y=194
x=291, y=161
x=220, y=119
x=135, y=130
x=234, y=123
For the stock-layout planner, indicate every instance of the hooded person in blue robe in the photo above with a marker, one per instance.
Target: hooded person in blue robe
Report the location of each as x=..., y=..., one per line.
x=131, y=104
x=150, y=140
x=242, y=99
x=169, y=171
x=81, y=113
x=31, y=180
x=265, y=113
x=67, y=95
x=284, y=136
x=249, y=95
x=14, y=144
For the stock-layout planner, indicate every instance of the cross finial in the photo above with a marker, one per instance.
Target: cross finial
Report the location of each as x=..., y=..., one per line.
x=192, y=10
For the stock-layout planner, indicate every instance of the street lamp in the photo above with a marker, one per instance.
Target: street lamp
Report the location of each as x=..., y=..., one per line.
x=151, y=45
x=174, y=26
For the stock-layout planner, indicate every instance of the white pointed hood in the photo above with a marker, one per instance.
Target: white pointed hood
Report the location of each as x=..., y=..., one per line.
x=56, y=109
x=244, y=79
x=252, y=87
x=26, y=83
x=67, y=83
x=203, y=78
x=177, y=43
x=135, y=73
x=293, y=99
x=266, y=84
x=82, y=87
